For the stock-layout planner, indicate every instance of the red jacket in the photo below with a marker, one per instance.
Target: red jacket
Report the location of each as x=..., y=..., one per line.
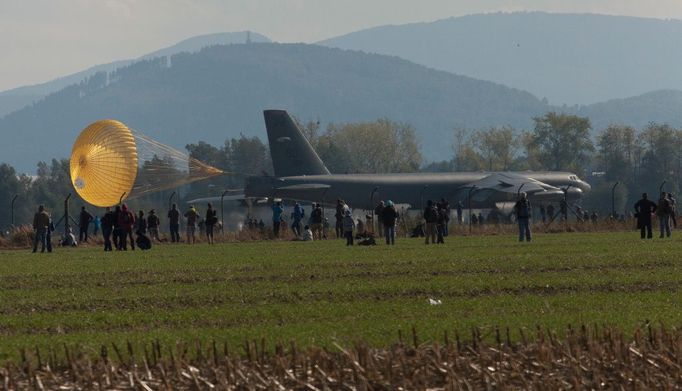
x=126, y=220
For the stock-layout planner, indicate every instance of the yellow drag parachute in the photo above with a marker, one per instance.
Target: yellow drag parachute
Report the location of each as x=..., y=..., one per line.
x=104, y=163
x=110, y=162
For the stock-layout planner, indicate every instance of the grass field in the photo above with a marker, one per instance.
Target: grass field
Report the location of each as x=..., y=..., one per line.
x=320, y=293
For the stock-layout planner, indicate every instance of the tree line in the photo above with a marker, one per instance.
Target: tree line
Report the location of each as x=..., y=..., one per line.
x=638, y=159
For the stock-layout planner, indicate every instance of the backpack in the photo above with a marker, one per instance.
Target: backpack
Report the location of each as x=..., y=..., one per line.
x=143, y=242
x=367, y=242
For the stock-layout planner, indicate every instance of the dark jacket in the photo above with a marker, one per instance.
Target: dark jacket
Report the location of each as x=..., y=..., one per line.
x=664, y=207
x=141, y=225
x=430, y=215
x=153, y=220
x=174, y=217
x=442, y=217
x=316, y=216
x=108, y=221
x=211, y=218
x=389, y=216
x=522, y=208
x=643, y=210
x=41, y=221
x=85, y=218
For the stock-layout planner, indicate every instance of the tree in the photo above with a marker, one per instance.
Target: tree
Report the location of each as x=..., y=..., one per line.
x=661, y=158
x=466, y=157
x=381, y=146
x=207, y=153
x=10, y=185
x=497, y=147
x=562, y=142
x=616, y=151
x=248, y=156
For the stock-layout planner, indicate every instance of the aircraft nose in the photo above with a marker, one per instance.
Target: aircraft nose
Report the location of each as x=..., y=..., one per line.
x=584, y=186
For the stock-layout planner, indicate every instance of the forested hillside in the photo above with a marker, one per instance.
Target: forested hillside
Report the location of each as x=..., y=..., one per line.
x=664, y=106
x=221, y=91
x=17, y=98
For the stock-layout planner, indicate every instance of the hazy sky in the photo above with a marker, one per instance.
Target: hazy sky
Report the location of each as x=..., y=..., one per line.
x=44, y=39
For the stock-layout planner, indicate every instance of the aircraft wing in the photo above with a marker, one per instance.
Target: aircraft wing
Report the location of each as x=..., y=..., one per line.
x=507, y=182
x=302, y=191
x=231, y=195
x=235, y=197
x=304, y=186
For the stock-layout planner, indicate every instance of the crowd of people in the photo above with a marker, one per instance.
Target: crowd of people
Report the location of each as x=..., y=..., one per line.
x=122, y=228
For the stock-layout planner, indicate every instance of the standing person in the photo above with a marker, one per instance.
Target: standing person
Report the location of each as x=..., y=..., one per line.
x=459, y=212
x=389, y=216
x=84, y=221
x=192, y=217
x=210, y=221
x=116, y=235
x=441, y=223
x=174, y=223
x=445, y=205
x=523, y=209
x=296, y=216
x=108, y=224
x=673, y=213
x=431, y=219
x=41, y=223
x=664, y=211
x=141, y=224
x=339, y=216
x=126, y=223
x=316, y=220
x=378, y=211
x=96, y=225
x=48, y=234
x=644, y=208
x=543, y=214
x=153, y=223
x=348, y=226
x=277, y=211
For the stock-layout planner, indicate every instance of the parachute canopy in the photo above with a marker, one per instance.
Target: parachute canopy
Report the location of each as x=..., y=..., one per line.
x=110, y=162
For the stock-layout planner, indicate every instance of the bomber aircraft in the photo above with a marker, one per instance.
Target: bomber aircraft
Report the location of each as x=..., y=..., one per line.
x=300, y=175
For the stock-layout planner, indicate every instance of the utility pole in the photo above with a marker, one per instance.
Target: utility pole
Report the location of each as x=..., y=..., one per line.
x=471, y=190
x=12, y=207
x=222, y=215
x=613, y=200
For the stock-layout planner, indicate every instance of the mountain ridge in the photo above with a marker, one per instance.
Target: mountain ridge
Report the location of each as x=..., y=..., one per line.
x=221, y=91
x=229, y=86
x=568, y=58
x=16, y=98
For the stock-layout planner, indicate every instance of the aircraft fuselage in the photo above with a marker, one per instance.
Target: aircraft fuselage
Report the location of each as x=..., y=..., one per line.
x=365, y=190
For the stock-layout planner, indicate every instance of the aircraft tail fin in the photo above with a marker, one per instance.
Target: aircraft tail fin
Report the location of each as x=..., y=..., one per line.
x=291, y=153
